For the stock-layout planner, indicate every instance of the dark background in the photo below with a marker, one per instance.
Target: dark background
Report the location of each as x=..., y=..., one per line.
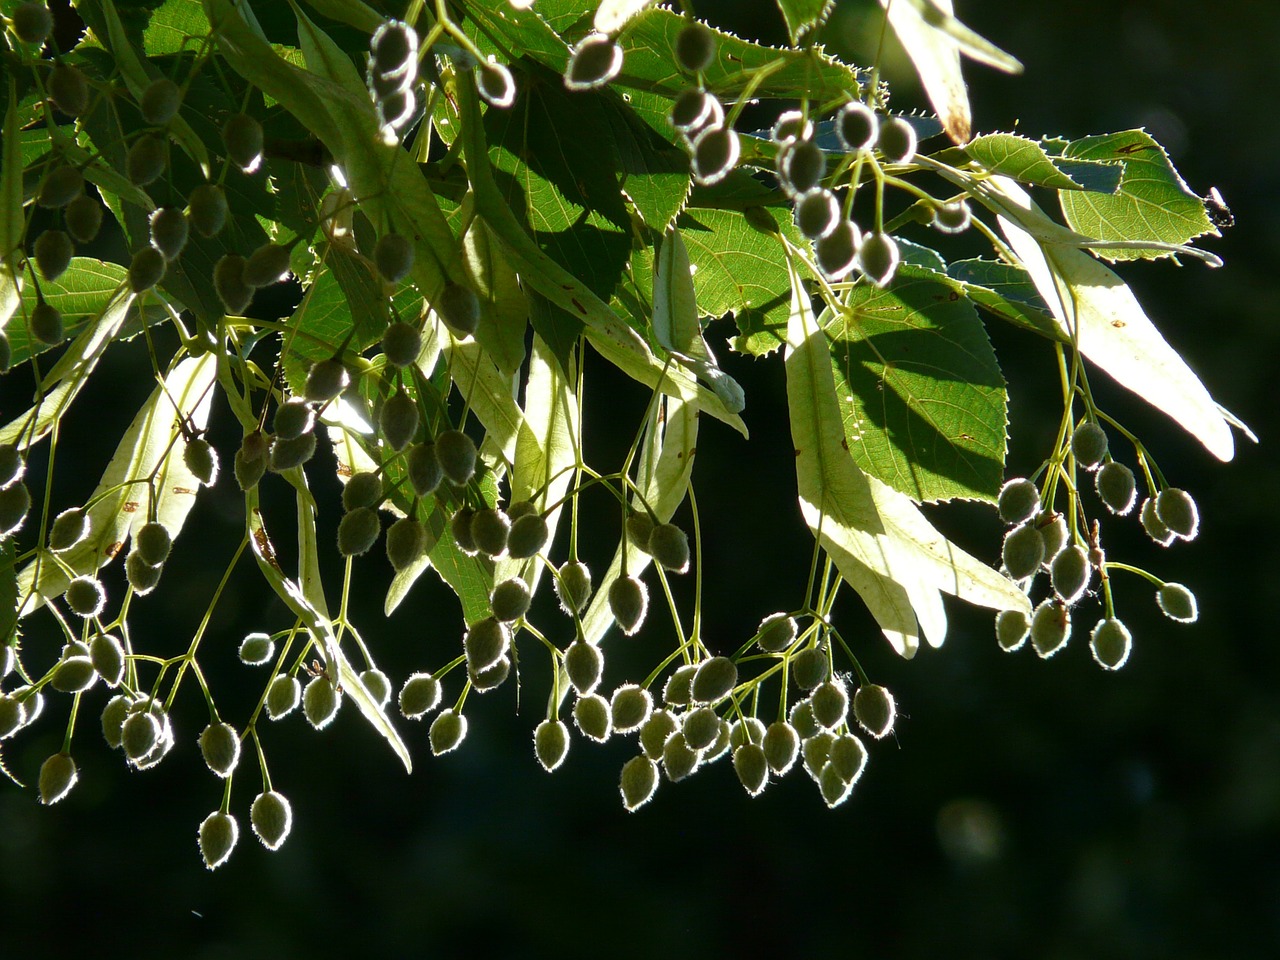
x=1024, y=809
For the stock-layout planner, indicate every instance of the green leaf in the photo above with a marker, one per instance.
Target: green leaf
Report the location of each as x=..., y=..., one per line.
x=12, y=223
x=1153, y=202
x=1006, y=292
x=504, y=313
x=653, y=172
x=174, y=26
x=1026, y=161
x=921, y=398
x=802, y=15
x=612, y=15
x=675, y=307
x=82, y=293
x=489, y=391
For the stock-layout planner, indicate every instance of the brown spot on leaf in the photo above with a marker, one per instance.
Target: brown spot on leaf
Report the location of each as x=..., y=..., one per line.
x=113, y=549
x=130, y=506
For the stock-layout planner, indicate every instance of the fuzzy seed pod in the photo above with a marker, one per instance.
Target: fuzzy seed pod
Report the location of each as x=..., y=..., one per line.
x=393, y=256
x=801, y=167
x=377, y=684
x=146, y=160
x=423, y=467
x=656, y=731
x=363, y=489
x=678, y=758
x=140, y=734
x=874, y=709
x=1116, y=487
x=358, y=531
x=12, y=465
x=398, y=421
x=591, y=717
x=447, y=731
x=419, y=695
x=267, y=265
x=201, y=459
x=495, y=83
x=143, y=577
x=272, y=818
x=113, y=718
x=694, y=110
x=228, y=283
x=1053, y=531
x=1019, y=501
x=485, y=644
x=220, y=747
x=1022, y=551
x=952, y=218
x=60, y=186
x=638, y=783
x=406, y=543
x=848, y=756
x=320, y=702
x=107, y=656
x=837, y=250
x=394, y=49
x=218, y=835
x=283, y=696
x=207, y=209
x=492, y=677
x=152, y=542
x=817, y=213
x=83, y=218
x=1089, y=445
x=1177, y=602
x=402, y=343
x=810, y=667
x=781, y=745
x=551, y=743
x=510, y=600
x=878, y=258
x=896, y=140
x=1012, y=627
x=256, y=649
x=669, y=546
x=13, y=714
x=73, y=675
x=639, y=527
x=1154, y=526
x=746, y=730
x=1177, y=510
x=457, y=455
x=700, y=728
x=15, y=504
x=593, y=62
x=1071, y=573
x=69, y=528
x=776, y=632
x=630, y=707
x=573, y=586
x=695, y=47
x=248, y=465
x=1110, y=643
x=830, y=703
x=490, y=529
x=160, y=101
x=85, y=596
x=46, y=324
x=752, y=768
x=169, y=232
x=857, y=126
x=714, y=680
x=242, y=137
x=460, y=528
x=679, y=687
x=287, y=454
x=584, y=664
x=628, y=601
x=32, y=22
x=715, y=153
x=459, y=308
x=146, y=269
x=57, y=777
x=1050, y=627
x=53, y=251
x=529, y=534
x=68, y=89
x=790, y=126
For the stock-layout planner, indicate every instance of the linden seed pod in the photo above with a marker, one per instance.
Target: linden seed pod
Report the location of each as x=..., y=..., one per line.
x=394, y=48
x=1110, y=642
x=1089, y=445
x=695, y=109
x=113, y=718
x=287, y=454
x=510, y=600
x=1154, y=526
x=363, y=489
x=678, y=758
x=248, y=467
x=593, y=62
x=32, y=701
x=267, y=265
x=486, y=643
x=220, y=747
x=492, y=677
x=791, y=125
x=639, y=527
x=720, y=745
x=1022, y=551
x=952, y=217
x=591, y=717
x=143, y=577
x=393, y=256
x=83, y=218
x=628, y=601
x=1019, y=500
x=207, y=209
x=283, y=696
x=715, y=153
x=1116, y=487
x=638, y=783
x=490, y=529
x=1176, y=509
x=459, y=308
x=423, y=468
x=12, y=465
x=700, y=728
x=1012, y=627
x=406, y=543
x=695, y=47
x=1053, y=531
x=584, y=664
x=169, y=231
x=160, y=101
x=68, y=89
x=146, y=160
x=801, y=167
x=447, y=731
x=573, y=586
x=529, y=534
x=781, y=746
x=857, y=126
x=656, y=731
x=878, y=258
x=320, y=702
x=73, y=675
x=358, y=531
x=551, y=743
x=817, y=213
x=834, y=788
x=85, y=596
x=777, y=632
x=256, y=648
x=752, y=768
x=57, y=777
x=60, y=186
x=201, y=459
x=377, y=684
x=874, y=709
x=630, y=707
x=669, y=546
x=402, y=343
x=679, y=687
x=848, y=756
x=32, y=22
x=46, y=324
x=1070, y=573
x=810, y=667
x=152, y=542
x=896, y=140
x=242, y=137
x=460, y=527
x=272, y=818
x=1177, y=602
x=837, y=251
x=419, y=695
x=15, y=503
x=146, y=269
x=53, y=251
x=715, y=680
x=228, y=283
x=1050, y=627
x=140, y=733
x=495, y=83
x=398, y=420
x=830, y=703
x=745, y=730
x=457, y=455
x=107, y=656
x=13, y=715
x=218, y=835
